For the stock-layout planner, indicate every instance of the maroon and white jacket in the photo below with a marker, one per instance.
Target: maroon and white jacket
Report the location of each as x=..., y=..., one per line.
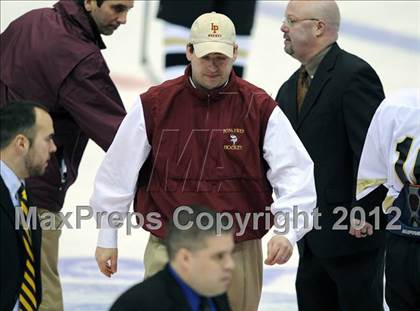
x=53, y=56
x=226, y=148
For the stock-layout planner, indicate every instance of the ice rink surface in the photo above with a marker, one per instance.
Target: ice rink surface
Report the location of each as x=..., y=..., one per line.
x=384, y=33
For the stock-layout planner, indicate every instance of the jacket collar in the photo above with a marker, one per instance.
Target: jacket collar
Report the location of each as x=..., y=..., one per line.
x=210, y=95
x=82, y=19
x=178, y=298
x=174, y=290
x=12, y=182
x=313, y=64
x=5, y=201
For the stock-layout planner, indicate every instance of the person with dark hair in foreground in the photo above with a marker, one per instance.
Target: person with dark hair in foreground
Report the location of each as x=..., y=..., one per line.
x=199, y=269
x=26, y=145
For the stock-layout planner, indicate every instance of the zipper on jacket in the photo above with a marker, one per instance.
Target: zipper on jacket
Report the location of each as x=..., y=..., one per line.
x=207, y=110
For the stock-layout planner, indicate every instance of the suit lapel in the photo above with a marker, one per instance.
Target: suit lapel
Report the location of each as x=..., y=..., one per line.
x=289, y=106
x=7, y=205
x=322, y=76
x=6, y=202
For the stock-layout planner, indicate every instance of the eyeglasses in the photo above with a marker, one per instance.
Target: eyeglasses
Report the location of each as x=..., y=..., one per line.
x=290, y=21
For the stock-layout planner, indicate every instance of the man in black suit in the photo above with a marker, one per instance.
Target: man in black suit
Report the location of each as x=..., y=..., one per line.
x=330, y=102
x=200, y=269
x=25, y=148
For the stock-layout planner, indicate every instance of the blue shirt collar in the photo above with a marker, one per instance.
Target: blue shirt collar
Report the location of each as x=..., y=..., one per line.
x=11, y=181
x=192, y=296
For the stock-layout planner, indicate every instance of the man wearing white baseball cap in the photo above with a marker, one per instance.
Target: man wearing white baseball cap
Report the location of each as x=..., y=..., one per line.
x=218, y=38
x=209, y=137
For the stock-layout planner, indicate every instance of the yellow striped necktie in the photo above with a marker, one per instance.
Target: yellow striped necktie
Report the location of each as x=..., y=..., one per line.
x=27, y=292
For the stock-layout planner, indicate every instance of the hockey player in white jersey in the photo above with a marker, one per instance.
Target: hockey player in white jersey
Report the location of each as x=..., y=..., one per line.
x=391, y=157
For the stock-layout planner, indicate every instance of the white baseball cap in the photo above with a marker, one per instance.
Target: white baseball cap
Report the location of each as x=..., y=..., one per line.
x=213, y=33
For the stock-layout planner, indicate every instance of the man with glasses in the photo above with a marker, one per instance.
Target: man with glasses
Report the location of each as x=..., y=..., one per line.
x=391, y=156
x=330, y=101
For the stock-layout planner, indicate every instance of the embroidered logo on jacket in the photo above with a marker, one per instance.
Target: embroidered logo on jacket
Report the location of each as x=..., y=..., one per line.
x=234, y=136
x=233, y=139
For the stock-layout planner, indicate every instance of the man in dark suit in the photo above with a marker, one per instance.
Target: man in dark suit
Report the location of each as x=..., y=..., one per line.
x=25, y=148
x=330, y=102
x=200, y=269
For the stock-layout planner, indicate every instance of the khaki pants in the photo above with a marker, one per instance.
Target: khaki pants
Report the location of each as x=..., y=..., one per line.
x=244, y=292
x=52, y=297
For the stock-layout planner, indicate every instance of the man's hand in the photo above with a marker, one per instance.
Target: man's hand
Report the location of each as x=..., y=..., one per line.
x=106, y=259
x=279, y=250
x=359, y=229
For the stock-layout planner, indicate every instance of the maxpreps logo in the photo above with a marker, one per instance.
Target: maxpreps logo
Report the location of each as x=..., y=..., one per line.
x=214, y=31
x=234, y=136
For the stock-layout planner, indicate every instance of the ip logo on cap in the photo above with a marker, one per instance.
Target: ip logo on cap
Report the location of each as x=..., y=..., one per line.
x=214, y=28
x=213, y=33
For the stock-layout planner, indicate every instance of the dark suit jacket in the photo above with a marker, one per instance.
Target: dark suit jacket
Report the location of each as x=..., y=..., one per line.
x=332, y=124
x=12, y=253
x=160, y=292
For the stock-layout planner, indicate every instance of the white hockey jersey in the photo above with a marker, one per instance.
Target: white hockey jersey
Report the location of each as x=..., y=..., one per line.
x=391, y=150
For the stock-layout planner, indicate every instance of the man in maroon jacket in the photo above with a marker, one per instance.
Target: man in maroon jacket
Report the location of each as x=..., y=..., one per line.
x=61, y=65
x=209, y=137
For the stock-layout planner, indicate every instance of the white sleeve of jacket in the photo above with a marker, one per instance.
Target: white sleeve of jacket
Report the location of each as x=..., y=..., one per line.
x=116, y=179
x=291, y=175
